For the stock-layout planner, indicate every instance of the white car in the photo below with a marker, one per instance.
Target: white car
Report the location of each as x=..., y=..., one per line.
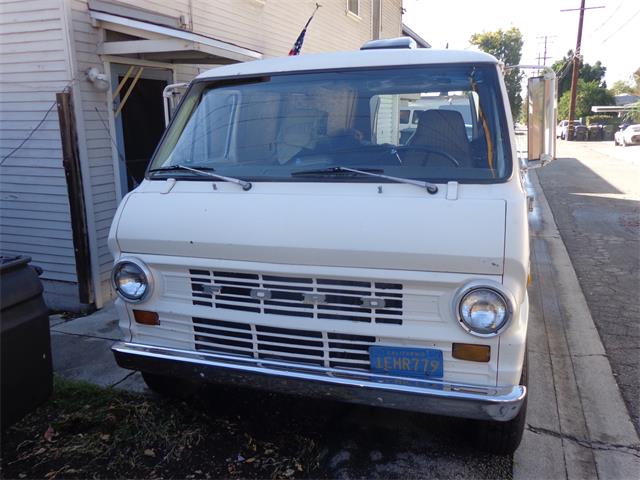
x=562, y=130
x=285, y=239
x=627, y=135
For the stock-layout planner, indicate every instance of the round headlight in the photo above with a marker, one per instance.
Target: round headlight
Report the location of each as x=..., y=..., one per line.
x=130, y=281
x=484, y=311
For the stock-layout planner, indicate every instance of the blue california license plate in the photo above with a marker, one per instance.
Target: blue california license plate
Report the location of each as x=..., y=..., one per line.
x=406, y=361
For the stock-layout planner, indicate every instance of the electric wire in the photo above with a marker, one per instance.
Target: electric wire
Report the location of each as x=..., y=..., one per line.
x=106, y=127
x=621, y=26
x=34, y=129
x=608, y=18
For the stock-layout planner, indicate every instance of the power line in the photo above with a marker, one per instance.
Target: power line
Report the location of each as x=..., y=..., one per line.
x=34, y=129
x=622, y=26
x=609, y=18
x=30, y=134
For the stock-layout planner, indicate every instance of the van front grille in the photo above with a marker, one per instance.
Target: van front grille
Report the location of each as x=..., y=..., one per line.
x=306, y=297
x=335, y=350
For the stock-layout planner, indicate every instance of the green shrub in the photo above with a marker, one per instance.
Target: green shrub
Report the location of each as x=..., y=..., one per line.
x=603, y=119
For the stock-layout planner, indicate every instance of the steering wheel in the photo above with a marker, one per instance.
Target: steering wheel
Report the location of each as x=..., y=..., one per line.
x=423, y=148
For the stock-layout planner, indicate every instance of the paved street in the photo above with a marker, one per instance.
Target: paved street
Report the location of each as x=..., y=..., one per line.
x=593, y=190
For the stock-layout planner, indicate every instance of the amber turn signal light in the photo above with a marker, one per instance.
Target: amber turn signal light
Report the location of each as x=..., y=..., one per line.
x=146, y=318
x=473, y=353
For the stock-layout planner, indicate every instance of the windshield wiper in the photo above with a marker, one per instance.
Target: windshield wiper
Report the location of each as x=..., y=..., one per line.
x=430, y=187
x=206, y=171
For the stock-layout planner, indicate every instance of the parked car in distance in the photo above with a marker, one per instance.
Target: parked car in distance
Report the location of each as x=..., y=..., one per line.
x=627, y=135
x=562, y=129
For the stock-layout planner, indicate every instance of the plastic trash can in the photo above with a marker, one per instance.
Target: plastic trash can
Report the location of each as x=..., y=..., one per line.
x=25, y=369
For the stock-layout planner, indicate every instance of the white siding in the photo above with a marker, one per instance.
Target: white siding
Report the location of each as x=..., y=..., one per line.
x=98, y=143
x=388, y=120
x=391, y=25
x=34, y=205
x=271, y=27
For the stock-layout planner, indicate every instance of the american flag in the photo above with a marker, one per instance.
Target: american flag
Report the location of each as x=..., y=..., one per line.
x=298, y=45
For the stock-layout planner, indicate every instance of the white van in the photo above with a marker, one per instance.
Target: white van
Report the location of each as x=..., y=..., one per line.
x=282, y=239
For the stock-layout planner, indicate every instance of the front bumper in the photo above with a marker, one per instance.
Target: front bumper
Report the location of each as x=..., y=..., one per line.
x=426, y=396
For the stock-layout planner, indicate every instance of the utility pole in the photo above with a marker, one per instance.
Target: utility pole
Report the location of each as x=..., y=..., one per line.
x=576, y=65
x=544, y=57
x=574, y=77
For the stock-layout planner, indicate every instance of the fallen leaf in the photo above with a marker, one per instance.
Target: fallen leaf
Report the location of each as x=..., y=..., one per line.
x=40, y=451
x=149, y=452
x=22, y=475
x=250, y=460
x=289, y=472
x=105, y=437
x=48, y=435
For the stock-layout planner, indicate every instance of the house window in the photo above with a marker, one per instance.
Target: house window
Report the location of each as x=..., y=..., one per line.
x=353, y=7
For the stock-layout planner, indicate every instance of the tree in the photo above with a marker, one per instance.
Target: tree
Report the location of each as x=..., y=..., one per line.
x=631, y=86
x=588, y=95
x=506, y=46
x=620, y=86
x=586, y=72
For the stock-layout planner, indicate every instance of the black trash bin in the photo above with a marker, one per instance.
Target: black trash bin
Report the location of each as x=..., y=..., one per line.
x=580, y=133
x=594, y=133
x=26, y=370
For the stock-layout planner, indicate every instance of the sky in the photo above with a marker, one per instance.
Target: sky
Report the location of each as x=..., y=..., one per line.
x=610, y=34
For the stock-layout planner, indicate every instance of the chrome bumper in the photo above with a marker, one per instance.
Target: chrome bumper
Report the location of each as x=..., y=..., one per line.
x=427, y=396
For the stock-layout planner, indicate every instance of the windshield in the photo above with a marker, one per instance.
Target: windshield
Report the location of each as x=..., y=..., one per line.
x=435, y=123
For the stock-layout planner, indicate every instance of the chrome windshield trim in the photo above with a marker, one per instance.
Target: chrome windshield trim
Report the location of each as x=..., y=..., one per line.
x=420, y=395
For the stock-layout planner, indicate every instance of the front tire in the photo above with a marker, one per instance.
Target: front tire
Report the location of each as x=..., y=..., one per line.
x=169, y=386
x=503, y=438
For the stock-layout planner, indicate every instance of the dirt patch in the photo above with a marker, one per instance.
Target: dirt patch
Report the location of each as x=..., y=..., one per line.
x=90, y=432
x=228, y=432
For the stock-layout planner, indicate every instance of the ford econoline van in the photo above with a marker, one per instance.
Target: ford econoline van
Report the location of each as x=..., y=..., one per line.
x=285, y=238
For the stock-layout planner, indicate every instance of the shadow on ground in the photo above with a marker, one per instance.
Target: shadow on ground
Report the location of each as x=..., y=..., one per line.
x=601, y=231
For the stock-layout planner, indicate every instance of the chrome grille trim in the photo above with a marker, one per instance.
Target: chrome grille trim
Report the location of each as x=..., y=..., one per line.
x=275, y=343
x=305, y=297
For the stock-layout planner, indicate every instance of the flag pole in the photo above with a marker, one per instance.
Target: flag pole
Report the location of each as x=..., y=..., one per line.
x=300, y=40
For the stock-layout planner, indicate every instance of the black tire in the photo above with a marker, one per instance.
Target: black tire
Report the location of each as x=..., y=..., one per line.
x=503, y=438
x=170, y=386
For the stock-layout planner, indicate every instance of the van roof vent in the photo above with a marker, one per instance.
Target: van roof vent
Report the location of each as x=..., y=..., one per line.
x=399, y=42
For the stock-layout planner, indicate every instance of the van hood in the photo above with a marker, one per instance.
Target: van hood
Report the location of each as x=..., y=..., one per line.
x=406, y=229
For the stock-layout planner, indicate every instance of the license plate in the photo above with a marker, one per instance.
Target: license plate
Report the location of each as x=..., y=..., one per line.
x=406, y=362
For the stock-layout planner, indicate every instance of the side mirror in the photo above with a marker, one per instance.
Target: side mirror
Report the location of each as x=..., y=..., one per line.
x=541, y=119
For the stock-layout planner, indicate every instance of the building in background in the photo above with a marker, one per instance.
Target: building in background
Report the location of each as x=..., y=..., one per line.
x=81, y=107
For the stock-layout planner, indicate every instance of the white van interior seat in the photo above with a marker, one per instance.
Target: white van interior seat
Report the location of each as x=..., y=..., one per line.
x=442, y=130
